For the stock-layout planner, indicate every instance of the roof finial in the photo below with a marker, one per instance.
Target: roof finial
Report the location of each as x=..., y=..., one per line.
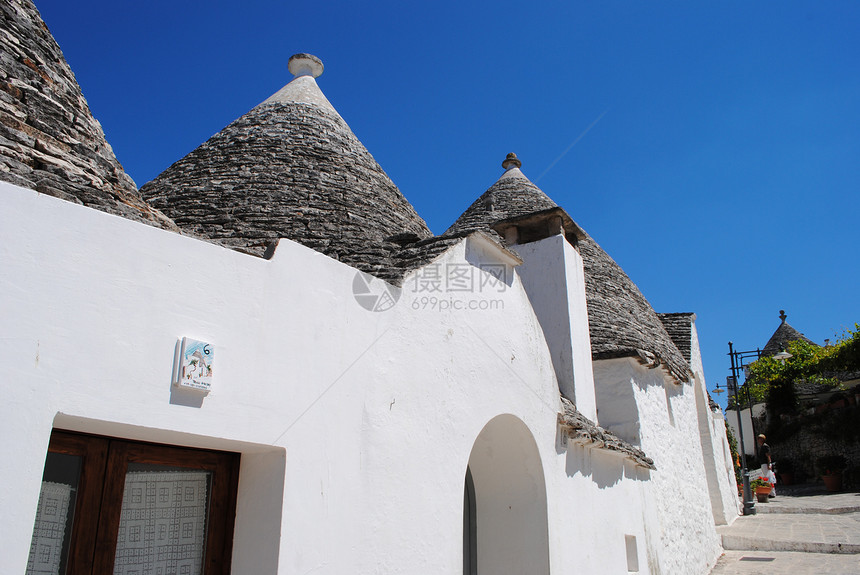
x=511, y=161
x=305, y=65
x=782, y=315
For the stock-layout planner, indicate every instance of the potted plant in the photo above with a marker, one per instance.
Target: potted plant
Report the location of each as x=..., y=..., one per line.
x=762, y=488
x=785, y=467
x=831, y=467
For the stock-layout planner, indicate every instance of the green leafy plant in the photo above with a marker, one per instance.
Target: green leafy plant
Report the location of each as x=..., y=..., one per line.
x=760, y=482
x=774, y=381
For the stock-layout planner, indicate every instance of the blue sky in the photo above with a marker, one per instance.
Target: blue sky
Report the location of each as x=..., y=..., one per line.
x=722, y=175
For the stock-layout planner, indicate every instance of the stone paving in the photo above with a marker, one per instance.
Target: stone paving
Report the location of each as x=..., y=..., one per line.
x=803, y=530
x=811, y=499
x=779, y=562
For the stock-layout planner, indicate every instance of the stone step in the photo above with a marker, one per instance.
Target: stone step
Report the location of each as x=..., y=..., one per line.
x=793, y=501
x=744, y=543
x=804, y=532
x=765, y=508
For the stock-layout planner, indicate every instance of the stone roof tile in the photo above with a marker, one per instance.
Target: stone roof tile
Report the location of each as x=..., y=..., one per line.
x=290, y=168
x=582, y=430
x=621, y=321
x=49, y=140
x=511, y=196
x=679, y=326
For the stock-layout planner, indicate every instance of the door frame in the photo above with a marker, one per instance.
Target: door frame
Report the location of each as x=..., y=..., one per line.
x=98, y=506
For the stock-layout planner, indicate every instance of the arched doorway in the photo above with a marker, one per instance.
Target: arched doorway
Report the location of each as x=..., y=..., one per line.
x=504, y=514
x=470, y=527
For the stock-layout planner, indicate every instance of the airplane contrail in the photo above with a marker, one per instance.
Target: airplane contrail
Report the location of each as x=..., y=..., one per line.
x=572, y=144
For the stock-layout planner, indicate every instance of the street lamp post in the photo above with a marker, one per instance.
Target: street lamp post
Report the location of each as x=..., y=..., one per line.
x=736, y=357
x=738, y=365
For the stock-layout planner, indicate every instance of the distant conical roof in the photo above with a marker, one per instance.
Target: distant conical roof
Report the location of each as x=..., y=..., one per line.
x=512, y=195
x=49, y=140
x=782, y=336
x=289, y=168
x=621, y=321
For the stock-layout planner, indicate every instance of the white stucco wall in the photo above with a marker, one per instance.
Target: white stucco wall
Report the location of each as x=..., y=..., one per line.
x=680, y=524
x=355, y=427
x=750, y=433
x=722, y=485
x=553, y=277
x=732, y=505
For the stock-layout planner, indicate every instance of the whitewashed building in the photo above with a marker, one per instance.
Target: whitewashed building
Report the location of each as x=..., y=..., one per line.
x=497, y=399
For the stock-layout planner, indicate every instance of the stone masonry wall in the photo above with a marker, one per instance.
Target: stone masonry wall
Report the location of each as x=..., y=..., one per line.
x=828, y=429
x=804, y=448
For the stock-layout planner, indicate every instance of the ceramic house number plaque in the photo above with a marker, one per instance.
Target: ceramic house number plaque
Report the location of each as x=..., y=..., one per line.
x=195, y=365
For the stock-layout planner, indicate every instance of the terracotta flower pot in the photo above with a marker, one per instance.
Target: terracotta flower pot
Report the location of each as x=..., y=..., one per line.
x=832, y=482
x=762, y=493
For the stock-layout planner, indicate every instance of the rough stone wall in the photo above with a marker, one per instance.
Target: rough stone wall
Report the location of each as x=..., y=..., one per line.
x=805, y=447
x=49, y=140
x=817, y=435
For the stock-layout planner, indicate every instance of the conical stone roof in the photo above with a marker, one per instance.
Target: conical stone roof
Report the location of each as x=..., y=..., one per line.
x=512, y=195
x=49, y=140
x=289, y=168
x=782, y=336
x=621, y=321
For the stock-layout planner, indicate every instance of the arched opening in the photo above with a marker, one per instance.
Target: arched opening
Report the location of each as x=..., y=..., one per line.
x=470, y=527
x=504, y=505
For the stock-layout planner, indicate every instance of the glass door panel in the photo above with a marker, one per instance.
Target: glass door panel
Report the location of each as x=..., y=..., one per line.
x=162, y=527
x=49, y=548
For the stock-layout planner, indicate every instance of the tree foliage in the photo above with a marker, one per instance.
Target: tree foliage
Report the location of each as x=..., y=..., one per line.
x=774, y=381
